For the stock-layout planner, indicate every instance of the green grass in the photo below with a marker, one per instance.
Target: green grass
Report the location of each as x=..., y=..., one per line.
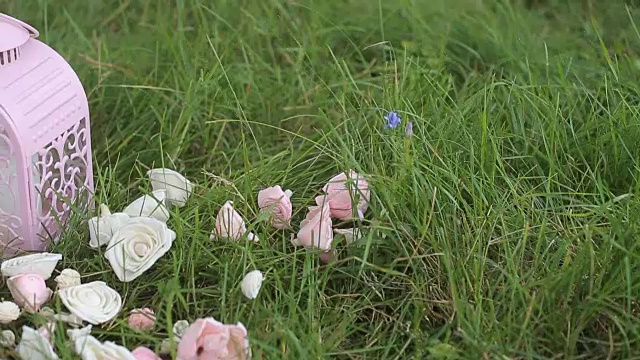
x=506, y=227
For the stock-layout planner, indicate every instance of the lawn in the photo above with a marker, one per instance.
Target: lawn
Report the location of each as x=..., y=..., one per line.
x=505, y=226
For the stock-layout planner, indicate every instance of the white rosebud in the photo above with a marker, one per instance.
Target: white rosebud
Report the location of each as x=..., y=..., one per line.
x=67, y=278
x=41, y=264
x=135, y=247
x=7, y=339
x=152, y=205
x=230, y=225
x=289, y=193
x=94, y=302
x=47, y=312
x=180, y=327
x=102, y=227
x=9, y=311
x=251, y=284
x=178, y=187
x=165, y=346
x=34, y=346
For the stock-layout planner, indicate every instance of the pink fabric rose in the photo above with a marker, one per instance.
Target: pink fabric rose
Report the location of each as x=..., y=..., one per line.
x=316, y=231
x=142, y=319
x=276, y=201
x=342, y=191
x=29, y=291
x=143, y=353
x=208, y=339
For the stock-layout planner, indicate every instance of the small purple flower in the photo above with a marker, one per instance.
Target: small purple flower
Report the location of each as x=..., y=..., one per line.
x=393, y=120
x=409, y=129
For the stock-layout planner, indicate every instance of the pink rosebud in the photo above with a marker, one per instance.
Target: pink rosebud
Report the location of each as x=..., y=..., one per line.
x=29, y=291
x=342, y=191
x=316, y=231
x=209, y=339
x=47, y=330
x=277, y=203
x=142, y=319
x=143, y=353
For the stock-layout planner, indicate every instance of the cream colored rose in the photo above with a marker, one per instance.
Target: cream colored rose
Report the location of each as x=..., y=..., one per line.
x=152, y=205
x=89, y=347
x=41, y=264
x=101, y=227
x=178, y=187
x=93, y=302
x=9, y=311
x=7, y=339
x=34, y=346
x=135, y=247
x=67, y=278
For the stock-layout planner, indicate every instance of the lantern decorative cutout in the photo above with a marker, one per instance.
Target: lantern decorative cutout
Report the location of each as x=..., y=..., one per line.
x=45, y=142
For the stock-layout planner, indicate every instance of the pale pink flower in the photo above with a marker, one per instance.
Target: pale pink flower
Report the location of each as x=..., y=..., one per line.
x=231, y=225
x=47, y=330
x=342, y=191
x=29, y=291
x=316, y=231
x=208, y=339
x=143, y=353
x=277, y=203
x=142, y=319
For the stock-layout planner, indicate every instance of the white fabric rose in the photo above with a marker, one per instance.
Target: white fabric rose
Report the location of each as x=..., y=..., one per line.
x=152, y=205
x=178, y=187
x=7, y=339
x=41, y=264
x=89, y=348
x=34, y=346
x=67, y=278
x=251, y=284
x=93, y=302
x=102, y=227
x=230, y=225
x=137, y=246
x=9, y=311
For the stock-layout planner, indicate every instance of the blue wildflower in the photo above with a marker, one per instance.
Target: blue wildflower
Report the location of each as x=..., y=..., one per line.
x=393, y=120
x=409, y=129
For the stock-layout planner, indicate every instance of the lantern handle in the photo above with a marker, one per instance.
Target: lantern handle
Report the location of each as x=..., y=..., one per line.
x=32, y=31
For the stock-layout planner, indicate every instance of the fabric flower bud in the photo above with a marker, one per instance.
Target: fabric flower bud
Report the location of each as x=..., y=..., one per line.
x=67, y=278
x=9, y=311
x=29, y=291
x=142, y=319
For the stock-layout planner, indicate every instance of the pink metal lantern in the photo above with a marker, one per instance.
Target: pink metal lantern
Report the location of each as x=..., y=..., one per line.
x=45, y=143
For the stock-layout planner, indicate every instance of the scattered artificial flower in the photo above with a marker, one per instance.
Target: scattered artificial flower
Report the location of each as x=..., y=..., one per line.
x=67, y=278
x=102, y=227
x=251, y=284
x=178, y=187
x=316, y=230
x=7, y=339
x=34, y=346
x=29, y=291
x=230, y=225
x=393, y=120
x=152, y=205
x=143, y=353
x=342, y=191
x=350, y=235
x=209, y=339
x=180, y=327
x=9, y=312
x=142, y=319
x=135, y=247
x=278, y=204
x=93, y=302
x=41, y=264
x=89, y=348
x=165, y=346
